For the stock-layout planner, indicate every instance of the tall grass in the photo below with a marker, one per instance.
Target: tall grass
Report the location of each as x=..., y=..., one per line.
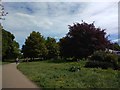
x=48, y=74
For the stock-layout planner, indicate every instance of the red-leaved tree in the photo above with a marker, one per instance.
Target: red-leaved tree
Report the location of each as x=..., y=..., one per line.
x=82, y=40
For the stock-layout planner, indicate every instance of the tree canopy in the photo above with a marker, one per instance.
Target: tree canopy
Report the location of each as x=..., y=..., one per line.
x=115, y=46
x=52, y=47
x=10, y=48
x=0, y=42
x=34, y=46
x=82, y=40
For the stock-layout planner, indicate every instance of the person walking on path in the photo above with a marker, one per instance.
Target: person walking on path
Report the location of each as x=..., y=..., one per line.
x=17, y=60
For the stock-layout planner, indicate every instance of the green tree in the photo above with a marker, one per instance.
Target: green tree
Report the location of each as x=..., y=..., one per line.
x=0, y=42
x=10, y=48
x=115, y=46
x=52, y=47
x=34, y=46
x=16, y=50
x=82, y=40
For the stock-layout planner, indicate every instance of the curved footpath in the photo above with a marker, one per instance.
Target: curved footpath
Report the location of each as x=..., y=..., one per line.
x=13, y=78
x=0, y=77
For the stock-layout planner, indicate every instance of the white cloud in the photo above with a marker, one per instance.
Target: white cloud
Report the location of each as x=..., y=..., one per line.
x=24, y=15
x=42, y=23
x=51, y=19
x=105, y=15
x=60, y=0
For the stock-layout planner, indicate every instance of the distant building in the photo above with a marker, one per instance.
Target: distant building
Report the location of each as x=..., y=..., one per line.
x=116, y=52
x=113, y=51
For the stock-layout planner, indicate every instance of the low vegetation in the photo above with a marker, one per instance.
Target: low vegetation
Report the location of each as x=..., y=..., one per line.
x=3, y=63
x=0, y=62
x=49, y=74
x=7, y=61
x=101, y=59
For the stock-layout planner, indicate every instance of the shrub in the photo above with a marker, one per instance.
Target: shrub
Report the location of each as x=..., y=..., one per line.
x=98, y=56
x=74, y=68
x=101, y=59
x=119, y=58
x=111, y=58
x=98, y=64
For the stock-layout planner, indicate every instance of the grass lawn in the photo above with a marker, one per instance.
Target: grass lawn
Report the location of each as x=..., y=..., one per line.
x=7, y=61
x=2, y=63
x=59, y=75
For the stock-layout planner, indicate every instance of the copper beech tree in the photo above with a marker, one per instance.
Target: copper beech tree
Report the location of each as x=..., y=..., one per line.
x=82, y=40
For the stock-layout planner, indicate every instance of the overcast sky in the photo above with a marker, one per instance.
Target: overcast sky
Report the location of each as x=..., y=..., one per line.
x=52, y=18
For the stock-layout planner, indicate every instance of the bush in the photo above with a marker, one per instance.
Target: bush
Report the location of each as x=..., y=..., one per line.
x=98, y=64
x=101, y=59
x=104, y=56
x=98, y=56
x=111, y=58
x=74, y=68
x=119, y=58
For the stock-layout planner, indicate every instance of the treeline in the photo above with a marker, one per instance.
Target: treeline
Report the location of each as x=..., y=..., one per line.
x=81, y=41
x=36, y=46
x=10, y=48
x=0, y=35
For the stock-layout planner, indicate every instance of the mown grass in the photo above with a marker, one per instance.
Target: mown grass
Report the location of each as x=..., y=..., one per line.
x=0, y=62
x=48, y=74
x=3, y=63
x=7, y=61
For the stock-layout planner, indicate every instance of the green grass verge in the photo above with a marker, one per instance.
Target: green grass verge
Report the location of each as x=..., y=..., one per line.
x=0, y=62
x=58, y=75
x=7, y=61
x=3, y=63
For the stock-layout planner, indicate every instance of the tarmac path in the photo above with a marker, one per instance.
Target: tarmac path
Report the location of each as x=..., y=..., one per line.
x=13, y=78
x=0, y=77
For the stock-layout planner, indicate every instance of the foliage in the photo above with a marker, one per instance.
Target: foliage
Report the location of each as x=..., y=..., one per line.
x=118, y=58
x=74, y=68
x=16, y=50
x=10, y=48
x=1, y=42
x=82, y=40
x=98, y=56
x=48, y=74
x=101, y=59
x=34, y=46
x=111, y=58
x=3, y=12
x=98, y=64
x=52, y=47
x=115, y=46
